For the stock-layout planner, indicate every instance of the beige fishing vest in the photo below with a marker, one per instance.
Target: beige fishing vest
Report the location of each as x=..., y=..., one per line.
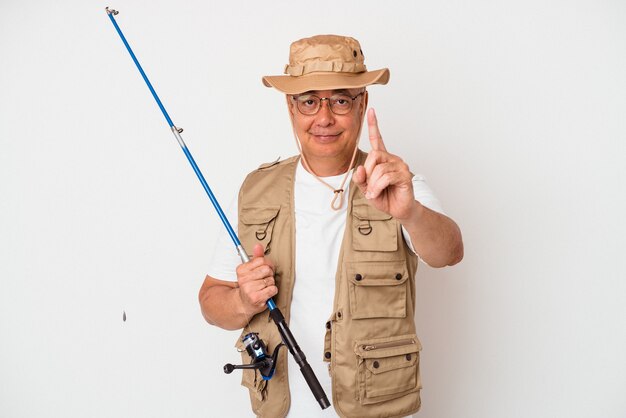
x=370, y=343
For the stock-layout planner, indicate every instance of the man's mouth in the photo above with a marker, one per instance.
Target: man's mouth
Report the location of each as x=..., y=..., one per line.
x=325, y=136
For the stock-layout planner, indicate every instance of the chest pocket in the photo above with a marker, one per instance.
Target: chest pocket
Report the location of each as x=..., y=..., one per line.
x=373, y=230
x=257, y=226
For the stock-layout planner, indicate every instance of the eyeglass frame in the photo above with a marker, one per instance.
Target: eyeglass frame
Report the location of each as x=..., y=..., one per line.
x=321, y=99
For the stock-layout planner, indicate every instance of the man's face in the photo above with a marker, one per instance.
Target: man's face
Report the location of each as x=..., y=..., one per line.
x=326, y=137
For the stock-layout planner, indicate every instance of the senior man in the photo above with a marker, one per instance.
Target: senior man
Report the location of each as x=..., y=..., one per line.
x=336, y=235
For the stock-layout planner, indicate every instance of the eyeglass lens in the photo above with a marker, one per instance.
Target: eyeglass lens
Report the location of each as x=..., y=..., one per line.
x=310, y=104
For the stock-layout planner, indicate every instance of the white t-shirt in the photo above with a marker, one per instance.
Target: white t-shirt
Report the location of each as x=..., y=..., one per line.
x=319, y=234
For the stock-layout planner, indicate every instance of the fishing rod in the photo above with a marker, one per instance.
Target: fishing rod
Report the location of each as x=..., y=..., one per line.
x=256, y=348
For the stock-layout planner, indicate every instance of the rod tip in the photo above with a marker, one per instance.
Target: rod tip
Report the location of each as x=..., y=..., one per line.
x=111, y=11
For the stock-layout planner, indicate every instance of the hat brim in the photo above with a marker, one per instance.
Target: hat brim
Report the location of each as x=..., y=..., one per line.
x=325, y=81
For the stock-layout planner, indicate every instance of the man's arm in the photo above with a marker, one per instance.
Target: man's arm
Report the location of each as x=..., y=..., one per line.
x=231, y=305
x=221, y=304
x=435, y=237
x=386, y=182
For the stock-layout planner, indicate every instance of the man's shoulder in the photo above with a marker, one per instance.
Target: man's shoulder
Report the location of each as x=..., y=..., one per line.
x=272, y=168
x=272, y=173
x=277, y=163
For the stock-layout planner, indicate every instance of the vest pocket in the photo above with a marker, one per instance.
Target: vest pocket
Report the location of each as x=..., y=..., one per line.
x=388, y=368
x=373, y=230
x=257, y=225
x=378, y=289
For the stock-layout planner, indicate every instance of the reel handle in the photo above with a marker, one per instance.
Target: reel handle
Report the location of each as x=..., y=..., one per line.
x=228, y=368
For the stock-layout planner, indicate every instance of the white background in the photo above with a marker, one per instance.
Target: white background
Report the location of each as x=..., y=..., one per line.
x=513, y=110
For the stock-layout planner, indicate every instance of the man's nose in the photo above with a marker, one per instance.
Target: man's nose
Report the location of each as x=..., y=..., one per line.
x=325, y=115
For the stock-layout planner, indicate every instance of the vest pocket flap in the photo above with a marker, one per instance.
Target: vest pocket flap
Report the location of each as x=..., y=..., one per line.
x=378, y=274
x=364, y=211
x=259, y=216
x=257, y=225
x=390, y=363
x=372, y=229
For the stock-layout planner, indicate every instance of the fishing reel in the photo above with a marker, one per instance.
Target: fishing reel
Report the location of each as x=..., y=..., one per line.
x=261, y=359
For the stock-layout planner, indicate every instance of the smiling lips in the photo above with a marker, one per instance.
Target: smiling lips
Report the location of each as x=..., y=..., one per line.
x=325, y=137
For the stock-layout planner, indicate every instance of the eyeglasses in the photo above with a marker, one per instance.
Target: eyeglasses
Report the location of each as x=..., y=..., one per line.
x=339, y=104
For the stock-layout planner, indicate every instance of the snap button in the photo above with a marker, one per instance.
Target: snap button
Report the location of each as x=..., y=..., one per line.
x=408, y=357
x=358, y=277
x=398, y=276
x=339, y=314
x=327, y=354
x=375, y=364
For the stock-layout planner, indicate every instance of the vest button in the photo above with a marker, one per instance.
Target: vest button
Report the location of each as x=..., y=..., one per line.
x=408, y=357
x=358, y=277
x=375, y=364
x=398, y=276
x=327, y=354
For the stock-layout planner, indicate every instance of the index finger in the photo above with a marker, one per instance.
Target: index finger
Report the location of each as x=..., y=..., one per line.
x=376, y=140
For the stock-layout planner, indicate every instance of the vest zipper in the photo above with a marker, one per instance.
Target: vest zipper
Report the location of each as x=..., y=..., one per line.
x=388, y=344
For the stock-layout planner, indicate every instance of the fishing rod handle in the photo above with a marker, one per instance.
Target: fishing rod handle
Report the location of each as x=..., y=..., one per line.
x=300, y=358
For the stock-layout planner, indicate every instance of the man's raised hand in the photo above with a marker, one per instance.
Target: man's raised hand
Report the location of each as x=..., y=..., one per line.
x=384, y=178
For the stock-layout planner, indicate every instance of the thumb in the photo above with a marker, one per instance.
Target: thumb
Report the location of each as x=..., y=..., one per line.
x=258, y=251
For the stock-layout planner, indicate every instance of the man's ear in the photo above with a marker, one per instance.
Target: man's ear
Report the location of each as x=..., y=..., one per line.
x=364, y=104
x=290, y=106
